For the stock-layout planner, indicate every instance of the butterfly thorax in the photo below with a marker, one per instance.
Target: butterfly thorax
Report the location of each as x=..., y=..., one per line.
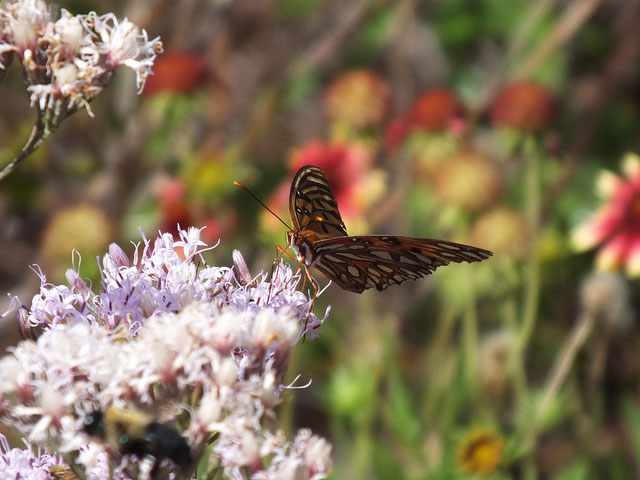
x=302, y=244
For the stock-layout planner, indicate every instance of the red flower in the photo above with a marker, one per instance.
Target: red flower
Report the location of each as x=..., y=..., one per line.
x=178, y=72
x=173, y=205
x=524, y=105
x=396, y=132
x=616, y=225
x=347, y=168
x=435, y=109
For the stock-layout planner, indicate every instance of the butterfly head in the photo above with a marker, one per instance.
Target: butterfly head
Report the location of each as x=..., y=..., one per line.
x=302, y=243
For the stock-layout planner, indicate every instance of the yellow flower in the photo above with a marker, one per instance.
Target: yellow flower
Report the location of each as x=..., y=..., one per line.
x=470, y=180
x=502, y=230
x=480, y=452
x=359, y=98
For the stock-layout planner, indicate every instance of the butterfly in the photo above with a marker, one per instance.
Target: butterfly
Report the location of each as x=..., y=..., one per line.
x=356, y=263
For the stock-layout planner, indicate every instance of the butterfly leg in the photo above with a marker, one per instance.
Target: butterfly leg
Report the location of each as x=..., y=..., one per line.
x=316, y=289
x=280, y=251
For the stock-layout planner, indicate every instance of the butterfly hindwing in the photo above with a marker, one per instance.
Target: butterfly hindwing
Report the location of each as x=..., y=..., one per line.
x=312, y=205
x=377, y=261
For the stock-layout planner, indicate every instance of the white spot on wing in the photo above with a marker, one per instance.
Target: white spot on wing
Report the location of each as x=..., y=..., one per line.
x=353, y=271
x=372, y=271
x=381, y=254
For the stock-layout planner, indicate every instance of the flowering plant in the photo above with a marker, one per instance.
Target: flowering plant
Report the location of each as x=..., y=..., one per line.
x=168, y=334
x=66, y=63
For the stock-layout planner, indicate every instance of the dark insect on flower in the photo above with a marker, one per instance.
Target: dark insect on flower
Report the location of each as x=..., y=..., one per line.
x=356, y=263
x=131, y=431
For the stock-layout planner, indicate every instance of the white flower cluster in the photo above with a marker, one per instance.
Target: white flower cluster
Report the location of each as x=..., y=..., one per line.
x=69, y=61
x=168, y=334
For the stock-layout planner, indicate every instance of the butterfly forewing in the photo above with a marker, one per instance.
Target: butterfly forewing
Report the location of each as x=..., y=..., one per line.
x=312, y=206
x=377, y=261
x=361, y=262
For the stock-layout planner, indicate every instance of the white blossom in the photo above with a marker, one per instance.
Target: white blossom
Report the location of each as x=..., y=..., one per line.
x=143, y=342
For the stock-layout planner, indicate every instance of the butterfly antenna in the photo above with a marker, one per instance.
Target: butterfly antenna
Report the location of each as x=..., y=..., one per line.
x=238, y=184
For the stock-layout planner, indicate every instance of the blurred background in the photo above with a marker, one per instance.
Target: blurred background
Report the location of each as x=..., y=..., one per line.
x=489, y=123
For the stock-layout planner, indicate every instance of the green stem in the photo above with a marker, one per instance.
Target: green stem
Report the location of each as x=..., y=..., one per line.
x=533, y=205
x=531, y=299
x=470, y=336
x=38, y=134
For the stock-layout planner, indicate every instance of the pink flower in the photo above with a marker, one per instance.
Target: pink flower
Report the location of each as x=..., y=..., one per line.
x=615, y=227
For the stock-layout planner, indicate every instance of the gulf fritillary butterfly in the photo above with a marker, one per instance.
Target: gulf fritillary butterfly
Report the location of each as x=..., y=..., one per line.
x=357, y=263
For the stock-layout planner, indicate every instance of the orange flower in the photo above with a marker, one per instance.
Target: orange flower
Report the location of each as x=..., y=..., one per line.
x=359, y=98
x=178, y=72
x=616, y=225
x=523, y=105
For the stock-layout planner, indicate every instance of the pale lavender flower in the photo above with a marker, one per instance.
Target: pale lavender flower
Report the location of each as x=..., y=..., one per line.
x=27, y=463
x=165, y=326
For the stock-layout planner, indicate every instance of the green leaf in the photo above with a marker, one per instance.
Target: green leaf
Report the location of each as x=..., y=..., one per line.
x=632, y=414
x=576, y=471
x=402, y=411
x=385, y=464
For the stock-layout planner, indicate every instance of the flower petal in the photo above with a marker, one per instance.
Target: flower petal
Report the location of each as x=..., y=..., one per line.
x=631, y=165
x=614, y=252
x=607, y=183
x=633, y=258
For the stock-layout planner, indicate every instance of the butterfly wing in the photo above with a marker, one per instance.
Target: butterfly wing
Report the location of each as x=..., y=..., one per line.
x=377, y=261
x=312, y=205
